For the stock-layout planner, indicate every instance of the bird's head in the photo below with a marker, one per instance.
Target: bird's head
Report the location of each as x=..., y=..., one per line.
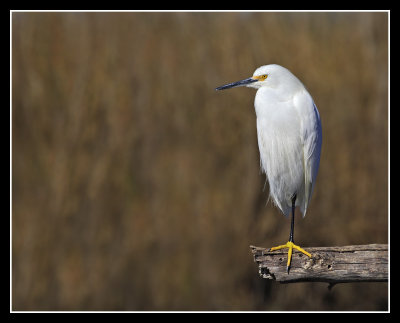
x=266, y=76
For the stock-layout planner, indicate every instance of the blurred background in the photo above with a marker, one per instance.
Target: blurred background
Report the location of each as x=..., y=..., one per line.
x=136, y=186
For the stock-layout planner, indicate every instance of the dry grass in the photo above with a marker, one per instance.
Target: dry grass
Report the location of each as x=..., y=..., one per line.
x=136, y=186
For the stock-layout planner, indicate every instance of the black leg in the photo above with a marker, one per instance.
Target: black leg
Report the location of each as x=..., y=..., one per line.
x=291, y=228
x=292, y=223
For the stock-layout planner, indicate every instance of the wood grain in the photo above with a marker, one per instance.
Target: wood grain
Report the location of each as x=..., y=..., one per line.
x=358, y=263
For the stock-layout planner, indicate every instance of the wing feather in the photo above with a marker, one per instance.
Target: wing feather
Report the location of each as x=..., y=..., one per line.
x=311, y=134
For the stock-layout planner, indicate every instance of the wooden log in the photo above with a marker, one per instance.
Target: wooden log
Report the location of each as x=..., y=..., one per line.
x=362, y=263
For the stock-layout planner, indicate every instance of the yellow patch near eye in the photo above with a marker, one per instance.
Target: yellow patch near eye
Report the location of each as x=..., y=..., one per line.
x=260, y=77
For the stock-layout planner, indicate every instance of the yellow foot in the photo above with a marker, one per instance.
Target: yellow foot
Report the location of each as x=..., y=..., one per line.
x=290, y=245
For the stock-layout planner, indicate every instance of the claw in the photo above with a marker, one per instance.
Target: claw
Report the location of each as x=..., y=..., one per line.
x=290, y=245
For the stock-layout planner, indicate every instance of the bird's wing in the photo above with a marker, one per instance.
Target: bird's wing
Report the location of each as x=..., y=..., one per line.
x=311, y=134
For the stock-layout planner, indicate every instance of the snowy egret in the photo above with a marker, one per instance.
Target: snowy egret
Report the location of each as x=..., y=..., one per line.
x=289, y=139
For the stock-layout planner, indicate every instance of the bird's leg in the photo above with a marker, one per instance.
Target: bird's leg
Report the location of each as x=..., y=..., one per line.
x=292, y=221
x=290, y=244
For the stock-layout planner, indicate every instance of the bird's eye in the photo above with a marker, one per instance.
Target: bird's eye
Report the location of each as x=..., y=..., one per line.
x=262, y=77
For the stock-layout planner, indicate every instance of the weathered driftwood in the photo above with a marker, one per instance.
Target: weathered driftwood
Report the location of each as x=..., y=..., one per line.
x=363, y=263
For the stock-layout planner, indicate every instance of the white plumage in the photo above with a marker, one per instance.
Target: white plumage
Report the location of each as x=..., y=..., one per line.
x=289, y=135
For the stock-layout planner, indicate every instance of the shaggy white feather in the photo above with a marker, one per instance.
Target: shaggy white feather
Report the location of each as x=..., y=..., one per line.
x=289, y=136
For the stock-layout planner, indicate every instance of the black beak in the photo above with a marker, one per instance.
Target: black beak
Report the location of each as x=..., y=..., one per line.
x=238, y=83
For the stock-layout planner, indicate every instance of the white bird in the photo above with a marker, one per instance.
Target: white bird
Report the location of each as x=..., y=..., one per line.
x=289, y=139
